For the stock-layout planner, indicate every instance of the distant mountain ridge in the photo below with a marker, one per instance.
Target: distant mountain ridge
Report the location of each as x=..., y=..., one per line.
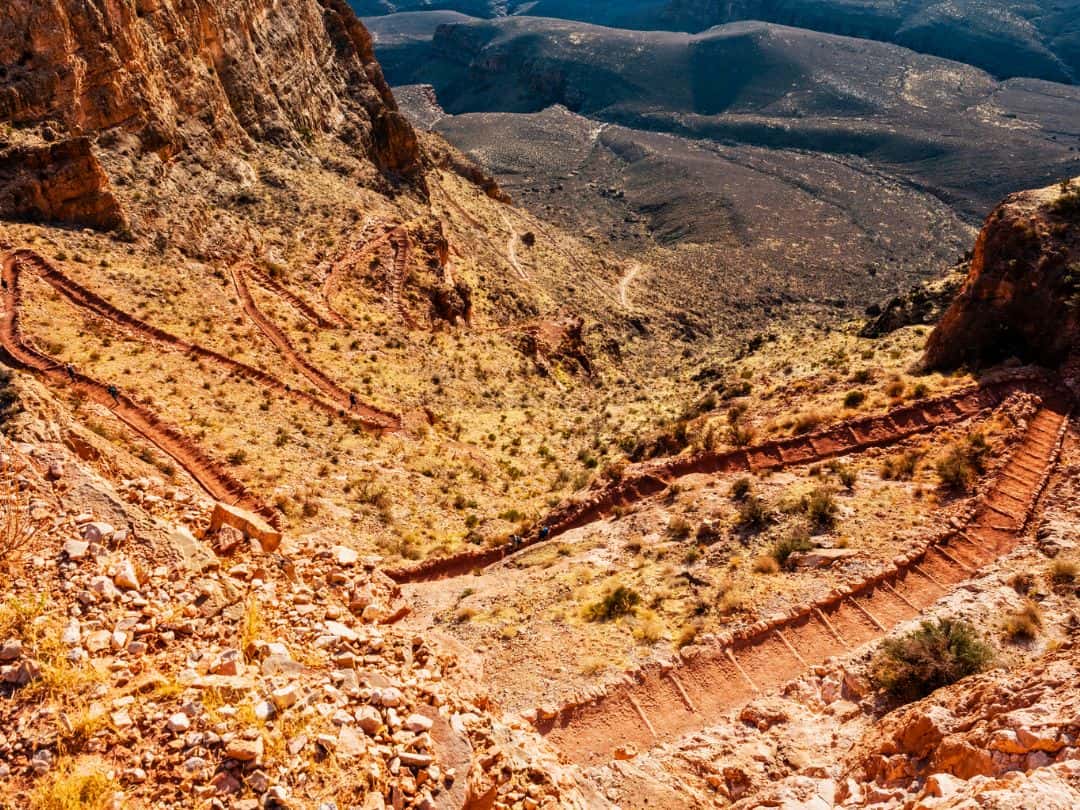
x=1008, y=39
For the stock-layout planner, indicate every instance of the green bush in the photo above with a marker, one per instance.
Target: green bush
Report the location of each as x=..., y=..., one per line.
x=820, y=507
x=935, y=655
x=618, y=602
x=740, y=488
x=754, y=514
x=785, y=547
x=853, y=399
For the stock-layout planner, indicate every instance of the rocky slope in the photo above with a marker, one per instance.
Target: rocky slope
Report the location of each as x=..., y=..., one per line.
x=1020, y=296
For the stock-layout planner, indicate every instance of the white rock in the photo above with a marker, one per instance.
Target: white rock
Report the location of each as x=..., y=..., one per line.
x=418, y=723
x=179, y=723
x=286, y=696
x=388, y=696
x=345, y=556
x=76, y=549
x=96, y=532
x=126, y=576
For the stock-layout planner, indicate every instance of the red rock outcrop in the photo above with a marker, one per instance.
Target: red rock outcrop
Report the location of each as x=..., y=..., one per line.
x=993, y=724
x=184, y=73
x=57, y=182
x=1020, y=298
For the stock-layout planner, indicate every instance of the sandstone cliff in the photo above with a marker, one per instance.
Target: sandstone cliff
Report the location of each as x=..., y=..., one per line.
x=1020, y=297
x=200, y=75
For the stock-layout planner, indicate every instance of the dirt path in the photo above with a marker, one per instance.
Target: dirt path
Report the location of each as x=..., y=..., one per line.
x=660, y=703
x=648, y=479
x=511, y=249
x=365, y=413
x=80, y=297
x=399, y=240
x=209, y=474
x=313, y=316
x=363, y=245
x=625, y=282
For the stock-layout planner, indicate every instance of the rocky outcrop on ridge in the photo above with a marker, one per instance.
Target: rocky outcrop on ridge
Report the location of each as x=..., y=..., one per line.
x=1020, y=296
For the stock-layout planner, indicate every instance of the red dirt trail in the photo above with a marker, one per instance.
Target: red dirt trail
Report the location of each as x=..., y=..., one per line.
x=208, y=473
x=648, y=479
x=660, y=703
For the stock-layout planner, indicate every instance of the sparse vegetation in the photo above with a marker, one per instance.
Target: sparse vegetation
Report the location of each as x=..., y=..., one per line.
x=937, y=654
x=820, y=507
x=754, y=514
x=901, y=467
x=619, y=601
x=1023, y=624
x=796, y=540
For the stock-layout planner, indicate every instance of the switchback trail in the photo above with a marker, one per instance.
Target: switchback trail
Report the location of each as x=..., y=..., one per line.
x=625, y=282
x=363, y=245
x=80, y=297
x=659, y=703
x=648, y=479
x=365, y=413
x=209, y=474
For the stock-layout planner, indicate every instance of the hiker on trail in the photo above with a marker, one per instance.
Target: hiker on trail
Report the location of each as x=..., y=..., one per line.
x=114, y=392
x=352, y=401
x=544, y=532
x=515, y=541
x=70, y=369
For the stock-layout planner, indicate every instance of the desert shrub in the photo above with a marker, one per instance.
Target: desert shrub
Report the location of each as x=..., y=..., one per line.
x=1023, y=624
x=740, y=488
x=1063, y=572
x=766, y=565
x=954, y=472
x=853, y=399
x=237, y=457
x=900, y=467
x=1068, y=202
x=805, y=422
x=678, y=527
x=786, y=546
x=820, y=507
x=617, y=602
x=895, y=389
x=845, y=473
x=740, y=435
x=688, y=634
x=754, y=514
x=81, y=785
x=936, y=654
x=962, y=463
x=9, y=397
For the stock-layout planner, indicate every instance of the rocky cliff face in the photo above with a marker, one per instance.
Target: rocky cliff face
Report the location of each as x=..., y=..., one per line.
x=1021, y=296
x=56, y=182
x=201, y=74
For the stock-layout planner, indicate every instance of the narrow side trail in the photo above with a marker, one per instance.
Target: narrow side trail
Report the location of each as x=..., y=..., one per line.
x=401, y=243
x=209, y=474
x=365, y=413
x=511, y=249
x=625, y=282
x=648, y=479
x=659, y=703
x=364, y=245
x=82, y=298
